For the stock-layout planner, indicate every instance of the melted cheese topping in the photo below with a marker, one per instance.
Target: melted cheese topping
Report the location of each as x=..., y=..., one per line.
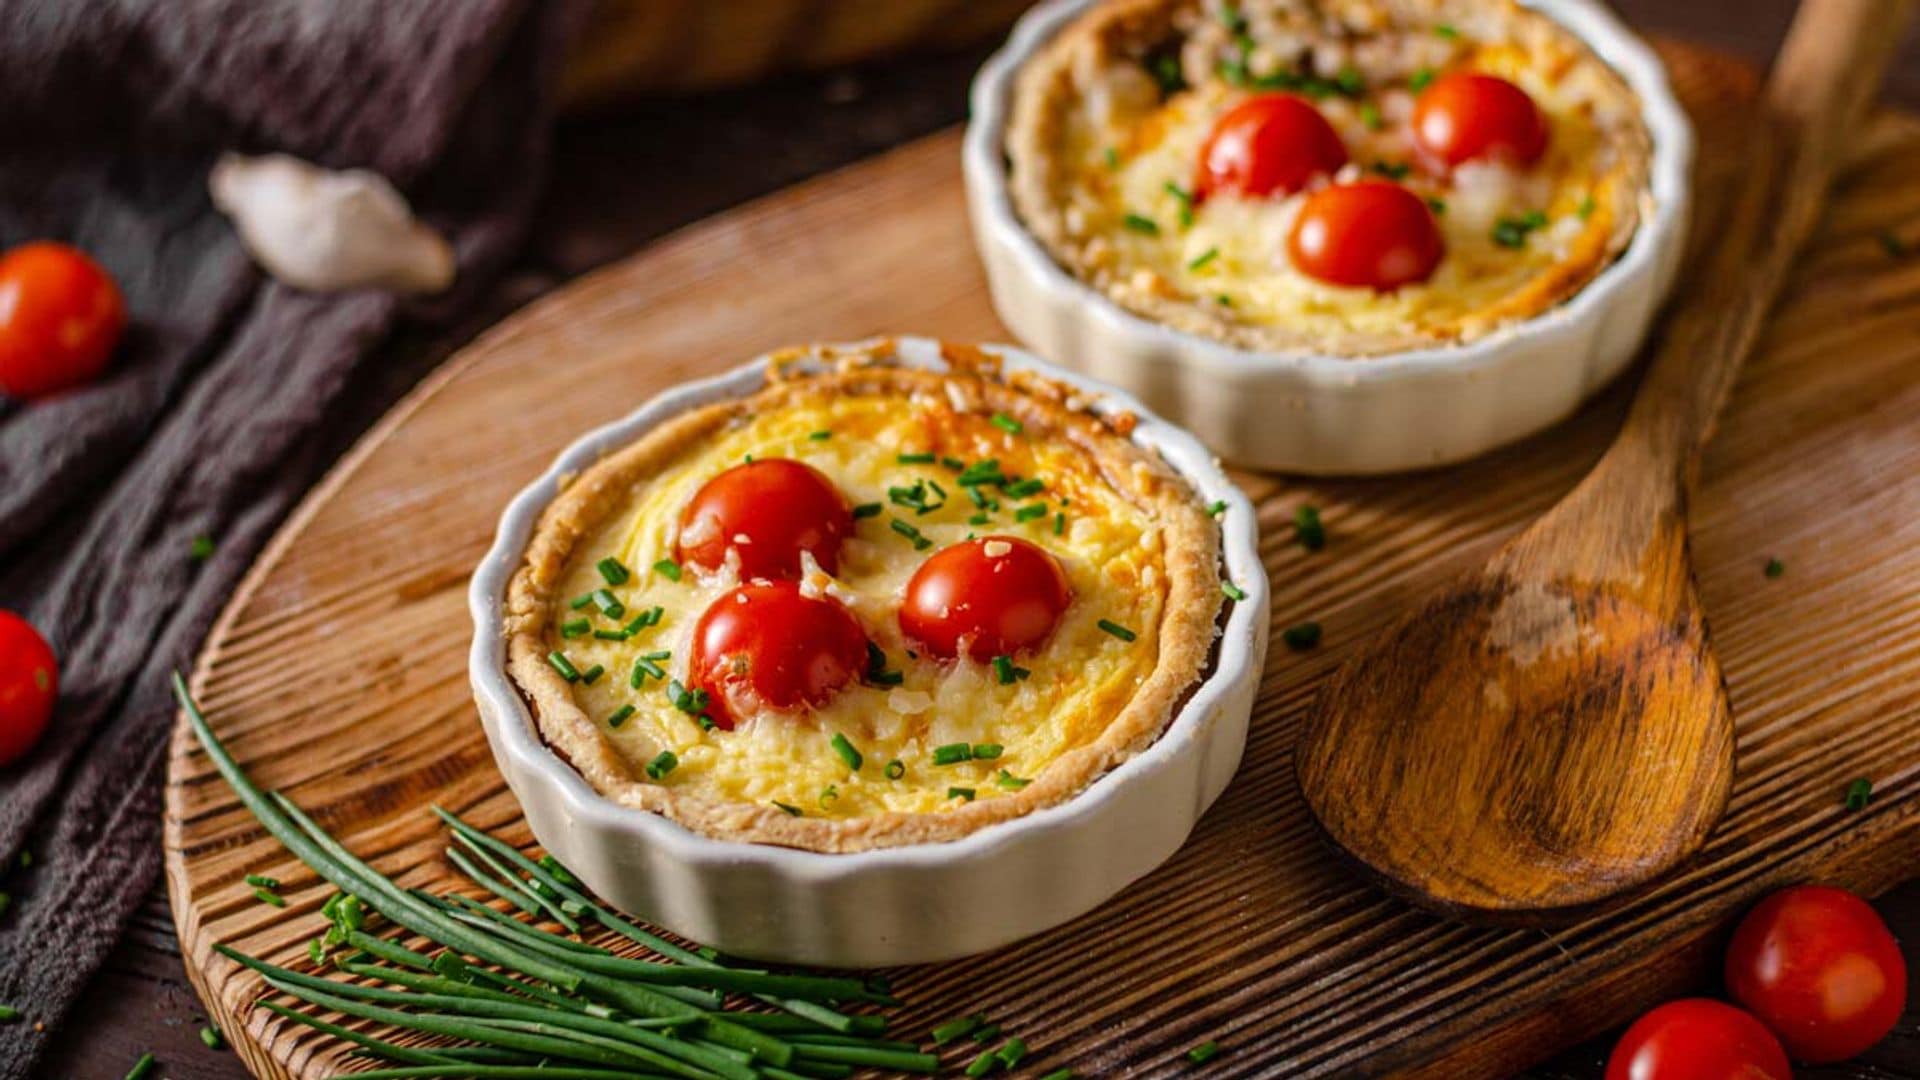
x=1129, y=155
x=1109, y=547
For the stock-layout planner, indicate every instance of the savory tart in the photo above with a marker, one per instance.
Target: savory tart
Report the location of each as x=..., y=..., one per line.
x=1344, y=177
x=870, y=605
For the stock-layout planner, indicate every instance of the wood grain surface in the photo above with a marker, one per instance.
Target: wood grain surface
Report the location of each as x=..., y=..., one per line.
x=338, y=672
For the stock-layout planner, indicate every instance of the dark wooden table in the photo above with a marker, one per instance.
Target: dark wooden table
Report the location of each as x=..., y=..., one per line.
x=621, y=180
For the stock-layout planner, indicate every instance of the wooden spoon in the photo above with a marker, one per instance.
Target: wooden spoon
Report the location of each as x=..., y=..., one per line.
x=1554, y=729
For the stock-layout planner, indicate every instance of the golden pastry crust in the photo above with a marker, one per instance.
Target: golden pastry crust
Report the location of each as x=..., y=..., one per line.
x=1096, y=139
x=597, y=496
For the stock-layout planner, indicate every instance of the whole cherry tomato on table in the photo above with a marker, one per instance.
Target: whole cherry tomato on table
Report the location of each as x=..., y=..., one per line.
x=1697, y=1039
x=29, y=683
x=771, y=645
x=1269, y=143
x=1467, y=116
x=994, y=596
x=1372, y=234
x=768, y=512
x=60, y=317
x=1819, y=966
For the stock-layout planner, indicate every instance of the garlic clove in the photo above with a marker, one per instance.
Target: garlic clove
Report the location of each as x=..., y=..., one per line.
x=324, y=231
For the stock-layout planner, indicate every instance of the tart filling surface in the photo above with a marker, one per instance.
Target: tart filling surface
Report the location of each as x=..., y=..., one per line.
x=1178, y=155
x=1007, y=599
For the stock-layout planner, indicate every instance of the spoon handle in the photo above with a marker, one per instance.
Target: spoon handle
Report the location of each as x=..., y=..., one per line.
x=1822, y=82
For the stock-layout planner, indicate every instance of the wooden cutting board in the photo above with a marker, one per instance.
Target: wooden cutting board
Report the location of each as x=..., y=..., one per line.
x=338, y=671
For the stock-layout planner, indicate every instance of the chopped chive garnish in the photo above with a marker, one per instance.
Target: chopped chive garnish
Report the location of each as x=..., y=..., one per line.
x=1059, y=524
x=1204, y=1053
x=609, y=604
x=1234, y=592
x=1010, y=782
x=1370, y=116
x=210, y=1036
x=1143, y=225
x=1111, y=157
x=1307, y=528
x=987, y=751
x=792, y=811
x=829, y=794
x=142, y=1067
x=201, y=549
x=1775, y=568
x=1007, y=671
x=563, y=665
x=613, y=571
x=592, y=674
x=574, y=628
x=663, y=763
x=1025, y=488
x=1302, y=636
x=1438, y=206
x=1420, y=80
x=987, y=1034
x=960, y=793
x=847, y=752
x=263, y=881
x=981, y=518
x=867, y=510
x=1447, y=31
x=1350, y=82
x=1185, y=199
x=920, y=542
x=1166, y=71
x=1008, y=424
x=580, y=601
x=981, y=472
x=668, y=569
x=896, y=769
x=1117, y=630
x=1061, y=1074
x=953, y=463
x=820, y=436
x=1030, y=511
x=956, y=1028
x=983, y=1064
x=917, y=459
x=612, y=635
x=268, y=896
x=1511, y=232
x=1012, y=1053
x=1223, y=300
x=620, y=716
x=1203, y=258
x=1587, y=207
x=952, y=753
x=1392, y=170
x=8, y=1014
x=1859, y=794
x=877, y=672
x=692, y=702
x=643, y=667
x=1219, y=507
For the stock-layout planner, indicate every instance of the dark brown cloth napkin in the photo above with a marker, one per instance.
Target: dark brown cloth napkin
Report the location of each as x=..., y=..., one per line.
x=230, y=393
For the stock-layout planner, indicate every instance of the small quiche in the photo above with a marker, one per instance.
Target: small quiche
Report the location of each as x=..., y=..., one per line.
x=870, y=605
x=1344, y=177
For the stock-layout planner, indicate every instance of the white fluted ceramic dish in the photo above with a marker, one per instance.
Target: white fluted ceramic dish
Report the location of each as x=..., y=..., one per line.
x=895, y=905
x=1320, y=414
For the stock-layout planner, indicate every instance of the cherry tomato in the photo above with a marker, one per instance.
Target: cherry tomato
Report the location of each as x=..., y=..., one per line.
x=1697, y=1039
x=1371, y=233
x=1822, y=970
x=1467, y=116
x=771, y=646
x=769, y=511
x=996, y=596
x=60, y=315
x=1274, y=142
x=29, y=682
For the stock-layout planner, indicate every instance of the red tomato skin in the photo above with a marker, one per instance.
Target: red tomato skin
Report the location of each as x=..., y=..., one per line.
x=782, y=507
x=1818, y=966
x=771, y=646
x=29, y=684
x=60, y=317
x=1468, y=116
x=1266, y=144
x=998, y=604
x=1368, y=234
x=1697, y=1039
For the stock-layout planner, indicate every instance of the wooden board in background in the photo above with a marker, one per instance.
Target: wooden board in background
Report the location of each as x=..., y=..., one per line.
x=338, y=671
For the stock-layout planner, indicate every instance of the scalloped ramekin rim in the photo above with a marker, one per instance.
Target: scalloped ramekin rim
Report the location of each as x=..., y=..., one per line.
x=520, y=742
x=1670, y=169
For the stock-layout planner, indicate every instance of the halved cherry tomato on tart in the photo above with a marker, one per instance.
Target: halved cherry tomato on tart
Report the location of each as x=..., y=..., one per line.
x=1468, y=116
x=1266, y=144
x=768, y=512
x=1697, y=1039
x=992, y=596
x=29, y=683
x=60, y=317
x=1372, y=233
x=1820, y=968
x=771, y=646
